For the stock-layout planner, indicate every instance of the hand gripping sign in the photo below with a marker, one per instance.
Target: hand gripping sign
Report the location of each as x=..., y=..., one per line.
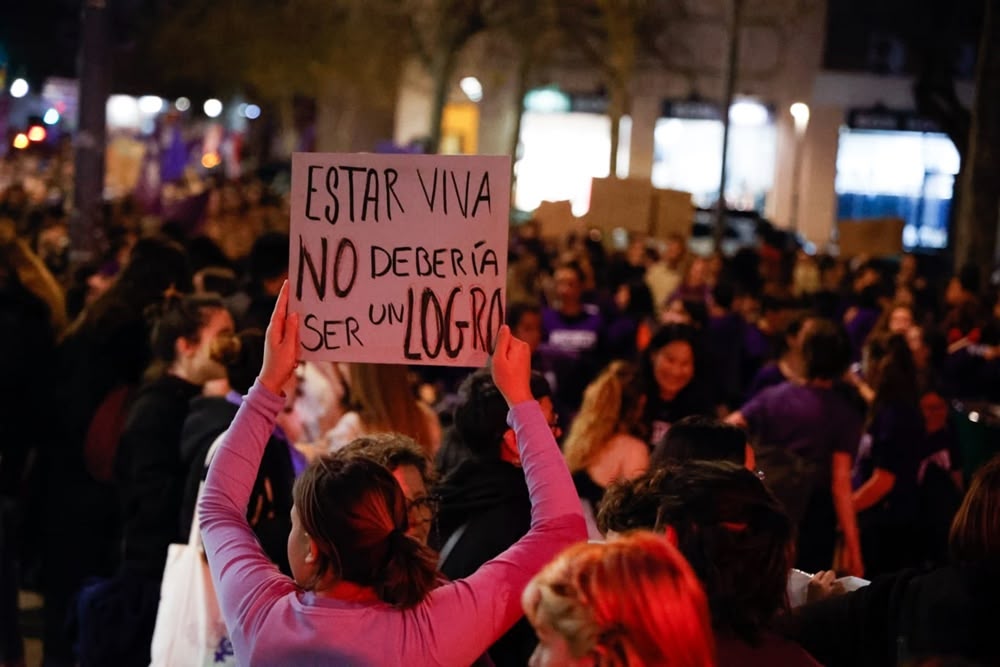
x=399, y=258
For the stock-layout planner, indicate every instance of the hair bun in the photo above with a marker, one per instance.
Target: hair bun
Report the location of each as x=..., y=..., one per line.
x=226, y=349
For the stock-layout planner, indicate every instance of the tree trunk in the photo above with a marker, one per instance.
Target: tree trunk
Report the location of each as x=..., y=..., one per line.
x=521, y=89
x=732, y=72
x=288, y=134
x=95, y=85
x=616, y=122
x=979, y=207
x=441, y=71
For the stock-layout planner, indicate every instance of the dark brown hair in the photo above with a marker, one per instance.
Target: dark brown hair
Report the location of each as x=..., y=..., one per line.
x=975, y=530
x=356, y=513
x=392, y=450
x=730, y=528
x=175, y=317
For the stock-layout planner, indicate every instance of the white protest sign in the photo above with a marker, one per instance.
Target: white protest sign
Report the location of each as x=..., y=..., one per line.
x=399, y=258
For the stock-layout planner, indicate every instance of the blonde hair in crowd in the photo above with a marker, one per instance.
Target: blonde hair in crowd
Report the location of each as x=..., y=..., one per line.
x=632, y=602
x=33, y=274
x=611, y=405
x=382, y=394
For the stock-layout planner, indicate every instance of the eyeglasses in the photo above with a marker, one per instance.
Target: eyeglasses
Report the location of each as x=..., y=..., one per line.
x=422, y=509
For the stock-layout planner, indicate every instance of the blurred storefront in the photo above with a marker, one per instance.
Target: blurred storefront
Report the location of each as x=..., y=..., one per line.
x=834, y=160
x=892, y=164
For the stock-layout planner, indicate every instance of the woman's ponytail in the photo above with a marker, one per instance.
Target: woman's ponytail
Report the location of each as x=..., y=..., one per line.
x=410, y=573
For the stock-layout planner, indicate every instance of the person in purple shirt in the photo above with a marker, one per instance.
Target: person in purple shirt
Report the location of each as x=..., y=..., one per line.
x=807, y=434
x=886, y=496
x=573, y=330
x=790, y=365
x=362, y=592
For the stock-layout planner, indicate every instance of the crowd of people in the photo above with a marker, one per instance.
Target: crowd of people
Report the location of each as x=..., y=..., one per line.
x=661, y=441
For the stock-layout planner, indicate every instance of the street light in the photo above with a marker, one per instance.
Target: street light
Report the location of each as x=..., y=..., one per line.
x=800, y=115
x=18, y=88
x=212, y=108
x=472, y=88
x=800, y=112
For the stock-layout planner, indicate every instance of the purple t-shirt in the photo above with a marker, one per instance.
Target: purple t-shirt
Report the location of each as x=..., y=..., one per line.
x=768, y=376
x=578, y=335
x=813, y=422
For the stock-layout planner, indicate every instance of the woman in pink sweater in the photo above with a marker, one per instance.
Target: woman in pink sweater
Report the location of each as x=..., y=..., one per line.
x=363, y=593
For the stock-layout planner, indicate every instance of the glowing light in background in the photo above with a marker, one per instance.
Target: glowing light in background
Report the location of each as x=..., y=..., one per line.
x=746, y=113
x=150, y=104
x=546, y=100
x=212, y=107
x=123, y=111
x=182, y=104
x=36, y=133
x=252, y=111
x=472, y=88
x=51, y=117
x=18, y=88
x=21, y=141
x=210, y=160
x=800, y=112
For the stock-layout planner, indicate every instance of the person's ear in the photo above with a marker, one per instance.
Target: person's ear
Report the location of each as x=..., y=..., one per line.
x=313, y=555
x=184, y=348
x=508, y=448
x=750, y=459
x=671, y=534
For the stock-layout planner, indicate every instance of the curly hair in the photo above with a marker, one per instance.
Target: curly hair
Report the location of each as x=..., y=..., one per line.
x=731, y=529
x=627, y=603
x=612, y=404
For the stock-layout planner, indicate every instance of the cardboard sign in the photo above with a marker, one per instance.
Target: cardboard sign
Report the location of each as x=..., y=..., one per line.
x=399, y=258
x=620, y=202
x=673, y=213
x=875, y=237
x=556, y=220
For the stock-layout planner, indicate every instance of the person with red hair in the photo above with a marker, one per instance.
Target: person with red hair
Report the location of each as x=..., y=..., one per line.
x=627, y=603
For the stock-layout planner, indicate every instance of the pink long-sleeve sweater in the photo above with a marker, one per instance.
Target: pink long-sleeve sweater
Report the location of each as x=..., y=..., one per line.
x=272, y=621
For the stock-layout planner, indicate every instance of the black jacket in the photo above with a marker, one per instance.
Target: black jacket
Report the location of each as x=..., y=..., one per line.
x=489, y=498
x=951, y=611
x=150, y=473
x=270, y=506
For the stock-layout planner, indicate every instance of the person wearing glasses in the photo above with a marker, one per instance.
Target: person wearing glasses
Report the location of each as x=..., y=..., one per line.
x=408, y=463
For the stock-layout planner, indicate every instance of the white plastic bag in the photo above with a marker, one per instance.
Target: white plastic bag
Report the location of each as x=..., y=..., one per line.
x=190, y=631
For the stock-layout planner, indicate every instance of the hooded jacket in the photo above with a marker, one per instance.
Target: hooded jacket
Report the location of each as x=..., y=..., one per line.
x=490, y=499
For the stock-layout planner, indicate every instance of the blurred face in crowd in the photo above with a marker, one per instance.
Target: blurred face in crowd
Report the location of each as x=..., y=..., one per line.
x=954, y=295
x=865, y=278
x=549, y=412
x=529, y=329
x=674, y=251
x=698, y=273
x=915, y=339
x=676, y=313
x=196, y=356
x=935, y=411
x=569, y=290
x=673, y=368
x=908, y=267
x=900, y=320
x=636, y=253
x=421, y=509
